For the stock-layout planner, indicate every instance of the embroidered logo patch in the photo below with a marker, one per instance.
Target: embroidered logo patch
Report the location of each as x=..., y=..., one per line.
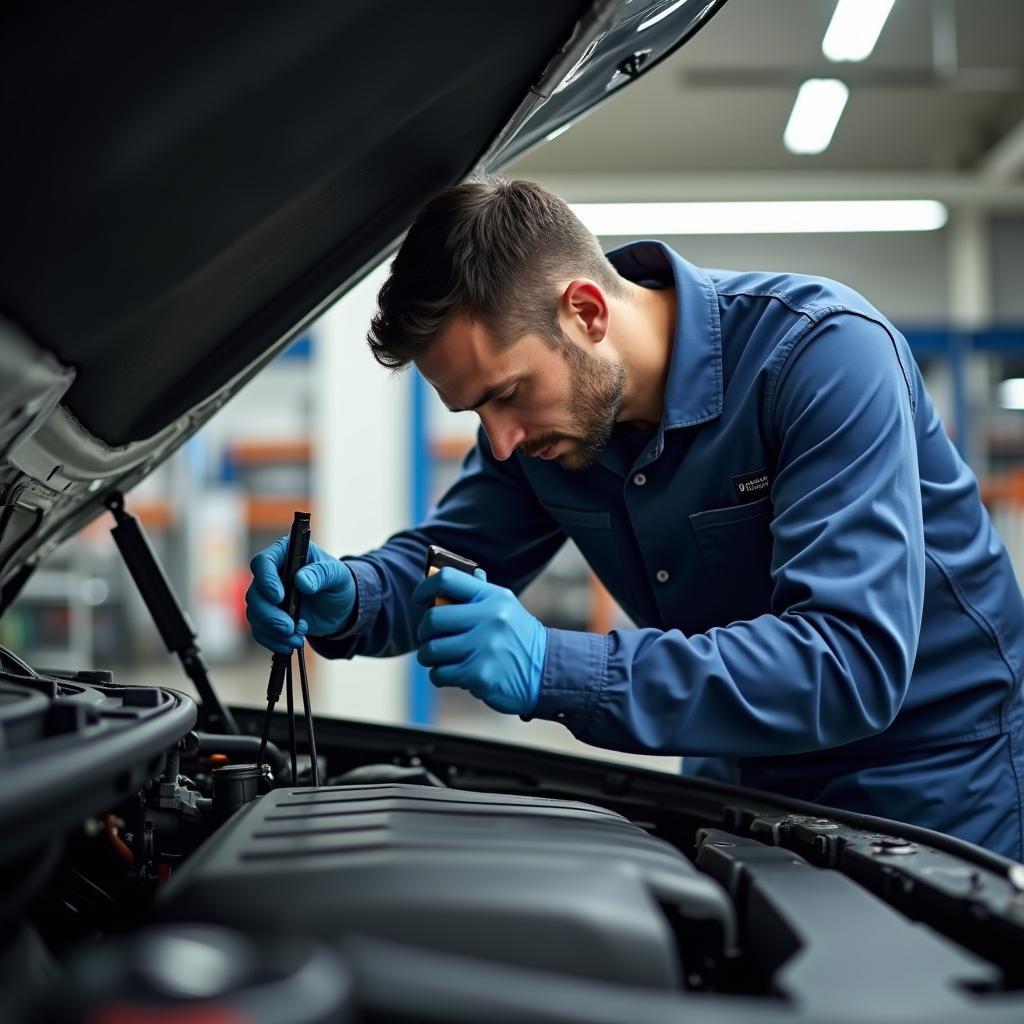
x=751, y=486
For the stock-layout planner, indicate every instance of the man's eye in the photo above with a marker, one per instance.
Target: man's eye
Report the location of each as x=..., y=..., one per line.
x=509, y=395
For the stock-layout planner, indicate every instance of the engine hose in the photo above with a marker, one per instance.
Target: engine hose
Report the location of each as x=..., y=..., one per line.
x=244, y=749
x=121, y=848
x=173, y=764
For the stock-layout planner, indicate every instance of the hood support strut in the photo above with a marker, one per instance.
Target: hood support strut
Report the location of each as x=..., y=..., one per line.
x=177, y=632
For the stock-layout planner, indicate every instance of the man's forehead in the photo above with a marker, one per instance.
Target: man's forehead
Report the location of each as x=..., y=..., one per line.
x=464, y=359
x=461, y=346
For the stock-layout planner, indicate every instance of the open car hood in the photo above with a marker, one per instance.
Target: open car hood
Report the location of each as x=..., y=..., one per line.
x=186, y=188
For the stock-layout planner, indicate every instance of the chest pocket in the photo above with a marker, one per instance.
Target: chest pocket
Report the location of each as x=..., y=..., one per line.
x=735, y=545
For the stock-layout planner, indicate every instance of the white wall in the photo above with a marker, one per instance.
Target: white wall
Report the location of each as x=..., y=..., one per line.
x=361, y=483
x=904, y=275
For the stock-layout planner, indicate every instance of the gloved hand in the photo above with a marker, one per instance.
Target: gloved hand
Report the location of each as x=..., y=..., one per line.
x=328, y=591
x=487, y=643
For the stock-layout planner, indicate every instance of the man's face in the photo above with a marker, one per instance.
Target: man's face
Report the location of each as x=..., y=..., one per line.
x=532, y=398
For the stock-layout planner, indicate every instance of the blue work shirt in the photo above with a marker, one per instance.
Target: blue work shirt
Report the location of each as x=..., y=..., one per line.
x=823, y=606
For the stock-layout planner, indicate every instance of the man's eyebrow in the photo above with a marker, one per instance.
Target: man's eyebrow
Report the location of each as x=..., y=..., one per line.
x=491, y=392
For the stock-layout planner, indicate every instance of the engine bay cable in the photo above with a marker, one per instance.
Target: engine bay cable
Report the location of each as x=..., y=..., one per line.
x=310, y=738
x=295, y=557
x=292, y=749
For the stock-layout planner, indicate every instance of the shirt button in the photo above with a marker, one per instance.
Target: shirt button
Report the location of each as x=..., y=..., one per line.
x=560, y=715
x=661, y=576
x=640, y=479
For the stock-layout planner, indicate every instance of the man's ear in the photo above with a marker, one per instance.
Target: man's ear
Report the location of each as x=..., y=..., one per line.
x=584, y=305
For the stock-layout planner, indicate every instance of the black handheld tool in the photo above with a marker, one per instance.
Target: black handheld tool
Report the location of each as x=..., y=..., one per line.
x=280, y=665
x=439, y=558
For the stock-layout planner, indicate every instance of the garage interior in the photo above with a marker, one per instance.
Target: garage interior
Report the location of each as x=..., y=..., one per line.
x=196, y=207
x=934, y=113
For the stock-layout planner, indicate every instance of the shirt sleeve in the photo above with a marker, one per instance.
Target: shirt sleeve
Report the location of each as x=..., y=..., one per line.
x=832, y=661
x=490, y=514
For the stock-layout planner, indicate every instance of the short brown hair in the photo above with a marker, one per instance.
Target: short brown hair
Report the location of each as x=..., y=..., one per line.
x=490, y=248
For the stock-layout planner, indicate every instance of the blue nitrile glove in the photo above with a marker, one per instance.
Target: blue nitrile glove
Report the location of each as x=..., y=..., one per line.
x=328, y=600
x=486, y=643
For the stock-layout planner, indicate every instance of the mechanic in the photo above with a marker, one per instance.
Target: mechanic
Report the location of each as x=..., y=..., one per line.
x=751, y=465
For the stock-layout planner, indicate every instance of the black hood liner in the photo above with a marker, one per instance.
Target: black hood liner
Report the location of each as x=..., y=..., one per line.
x=183, y=183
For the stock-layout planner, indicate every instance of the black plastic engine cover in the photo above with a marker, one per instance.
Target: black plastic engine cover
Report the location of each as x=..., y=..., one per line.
x=552, y=884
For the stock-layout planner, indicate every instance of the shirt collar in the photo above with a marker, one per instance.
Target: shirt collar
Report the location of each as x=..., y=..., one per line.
x=693, y=390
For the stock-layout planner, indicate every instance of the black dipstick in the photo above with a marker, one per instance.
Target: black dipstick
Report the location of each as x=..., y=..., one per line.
x=280, y=665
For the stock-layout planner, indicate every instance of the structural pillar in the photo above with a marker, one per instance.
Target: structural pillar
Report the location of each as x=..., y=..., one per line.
x=361, y=484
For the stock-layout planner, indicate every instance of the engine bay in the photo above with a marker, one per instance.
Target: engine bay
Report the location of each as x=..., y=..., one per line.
x=525, y=881
x=151, y=867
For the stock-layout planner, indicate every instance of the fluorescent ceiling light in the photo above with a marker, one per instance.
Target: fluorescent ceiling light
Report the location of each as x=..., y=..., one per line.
x=816, y=111
x=756, y=218
x=1011, y=393
x=854, y=28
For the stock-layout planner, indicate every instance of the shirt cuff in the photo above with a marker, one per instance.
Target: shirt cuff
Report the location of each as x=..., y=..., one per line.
x=575, y=672
x=368, y=601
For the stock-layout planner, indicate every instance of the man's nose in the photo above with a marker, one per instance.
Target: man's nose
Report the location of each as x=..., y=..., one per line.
x=504, y=434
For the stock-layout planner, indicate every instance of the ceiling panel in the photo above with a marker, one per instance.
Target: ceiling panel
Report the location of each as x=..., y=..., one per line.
x=721, y=102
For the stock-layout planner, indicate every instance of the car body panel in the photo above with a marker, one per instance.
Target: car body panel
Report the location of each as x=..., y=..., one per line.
x=225, y=175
